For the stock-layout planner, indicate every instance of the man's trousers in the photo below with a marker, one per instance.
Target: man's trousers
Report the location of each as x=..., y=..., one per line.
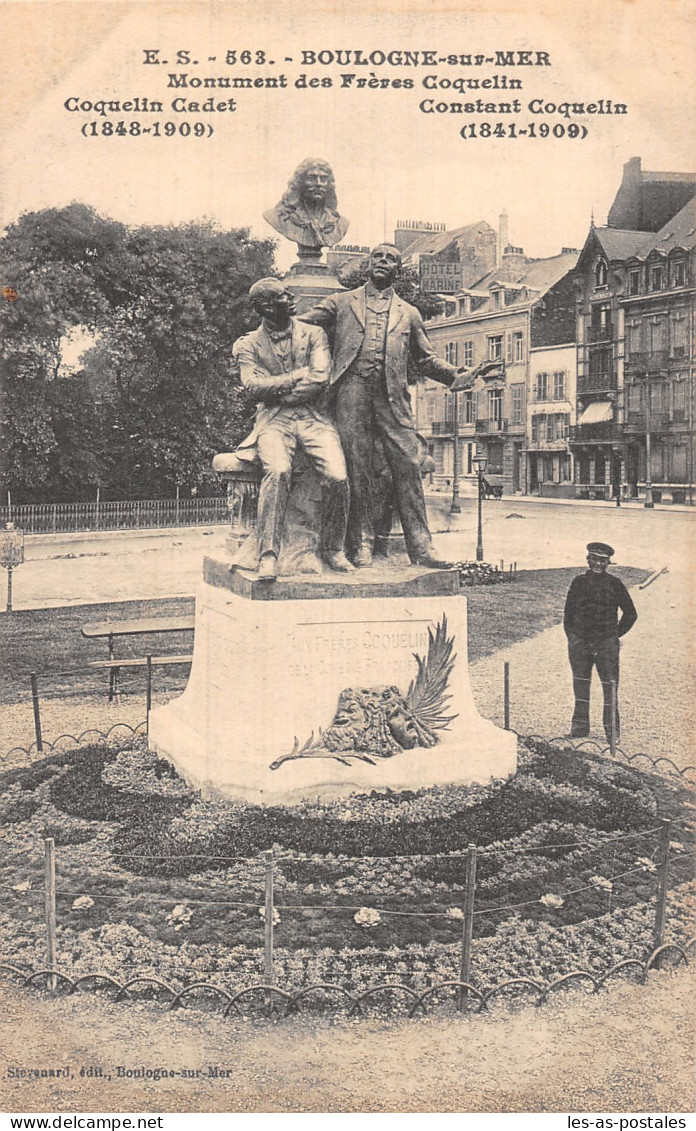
x=277, y=443
x=363, y=412
x=584, y=655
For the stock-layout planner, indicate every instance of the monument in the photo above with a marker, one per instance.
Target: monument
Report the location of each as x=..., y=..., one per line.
x=307, y=214
x=312, y=679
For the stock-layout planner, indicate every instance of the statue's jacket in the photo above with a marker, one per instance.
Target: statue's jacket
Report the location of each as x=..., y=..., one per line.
x=343, y=317
x=262, y=374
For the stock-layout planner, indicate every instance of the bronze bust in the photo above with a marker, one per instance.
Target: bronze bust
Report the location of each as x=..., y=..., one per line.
x=307, y=212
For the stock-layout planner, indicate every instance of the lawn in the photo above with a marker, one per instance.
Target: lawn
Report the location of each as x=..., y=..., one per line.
x=49, y=641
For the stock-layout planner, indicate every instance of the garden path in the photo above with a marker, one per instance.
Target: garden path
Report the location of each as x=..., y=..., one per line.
x=577, y=1054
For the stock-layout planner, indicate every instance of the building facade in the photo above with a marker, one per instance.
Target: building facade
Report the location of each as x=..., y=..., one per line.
x=521, y=304
x=635, y=338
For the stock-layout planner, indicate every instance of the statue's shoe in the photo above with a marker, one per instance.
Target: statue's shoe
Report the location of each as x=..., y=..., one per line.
x=268, y=567
x=338, y=561
x=429, y=561
x=363, y=557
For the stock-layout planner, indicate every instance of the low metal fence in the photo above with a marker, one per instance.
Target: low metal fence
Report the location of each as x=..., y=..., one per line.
x=124, y=514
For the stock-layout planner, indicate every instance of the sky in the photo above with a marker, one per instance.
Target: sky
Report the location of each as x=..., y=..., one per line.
x=390, y=160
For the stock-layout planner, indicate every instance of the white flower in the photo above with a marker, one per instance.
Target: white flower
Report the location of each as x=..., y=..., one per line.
x=367, y=917
x=276, y=915
x=551, y=900
x=602, y=882
x=455, y=913
x=676, y=846
x=179, y=916
x=646, y=864
x=83, y=903
x=24, y=886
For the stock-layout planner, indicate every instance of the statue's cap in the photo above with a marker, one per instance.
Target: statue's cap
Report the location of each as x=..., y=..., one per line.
x=268, y=286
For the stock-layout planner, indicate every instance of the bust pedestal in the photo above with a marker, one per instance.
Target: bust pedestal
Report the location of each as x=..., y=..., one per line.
x=272, y=661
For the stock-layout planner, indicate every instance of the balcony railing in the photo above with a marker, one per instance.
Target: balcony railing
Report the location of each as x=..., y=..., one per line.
x=600, y=333
x=491, y=425
x=647, y=360
x=596, y=381
x=586, y=433
x=442, y=427
x=651, y=421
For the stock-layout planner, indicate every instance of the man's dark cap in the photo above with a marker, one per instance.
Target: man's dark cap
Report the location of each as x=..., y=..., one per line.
x=601, y=549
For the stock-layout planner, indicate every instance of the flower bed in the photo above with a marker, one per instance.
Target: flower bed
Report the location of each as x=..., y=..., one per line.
x=154, y=879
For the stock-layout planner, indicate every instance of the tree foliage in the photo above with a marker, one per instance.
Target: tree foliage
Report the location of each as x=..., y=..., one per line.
x=153, y=396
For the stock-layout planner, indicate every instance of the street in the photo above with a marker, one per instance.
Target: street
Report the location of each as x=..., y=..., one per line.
x=68, y=569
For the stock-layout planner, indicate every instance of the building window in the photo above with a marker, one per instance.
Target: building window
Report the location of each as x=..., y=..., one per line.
x=601, y=273
x=551, y=428
x=658, y=396
x=516, y=408
x=451, y=353
x=601, y=320
x=495, y=405
x=634, y=399
x=679, y=273
x=515, y=349
x=495, y=347
x=468, y=354
x=656, y=334
x=679, y=463
x=542, y=387
x=539, y=429
x=559, y=383
x=634, y=282
x=497, y=299
x=468, y=407
x=562, y=425
x=679, y=400
x=679, y=338
x=657, y=277
x=634, y=338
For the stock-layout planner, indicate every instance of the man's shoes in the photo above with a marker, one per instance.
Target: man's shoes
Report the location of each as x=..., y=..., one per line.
x=338, y=561
x=268, y=567
x=429, y=561
x=574, y=734
x=363, y=557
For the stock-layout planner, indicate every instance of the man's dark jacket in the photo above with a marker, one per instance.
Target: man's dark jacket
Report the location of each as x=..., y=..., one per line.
x=592, y=607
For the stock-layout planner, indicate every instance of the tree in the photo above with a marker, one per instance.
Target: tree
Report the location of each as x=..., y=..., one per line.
x=154, y=397
x=57, y=262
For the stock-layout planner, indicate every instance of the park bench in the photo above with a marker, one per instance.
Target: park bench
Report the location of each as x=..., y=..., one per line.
x=144, y=626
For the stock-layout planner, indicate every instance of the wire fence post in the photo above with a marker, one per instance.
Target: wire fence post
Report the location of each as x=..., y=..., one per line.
x=612, y=720
x=37, y=712
x=467, y=926
x=268, y=929
x=506, y=694
x=662, y=871
x=50, y=907
x=148, y=695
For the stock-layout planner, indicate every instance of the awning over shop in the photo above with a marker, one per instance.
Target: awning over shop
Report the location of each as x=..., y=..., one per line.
x=596, y=412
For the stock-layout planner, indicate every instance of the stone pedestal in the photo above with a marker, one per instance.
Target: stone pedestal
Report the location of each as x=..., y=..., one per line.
x=271, y=662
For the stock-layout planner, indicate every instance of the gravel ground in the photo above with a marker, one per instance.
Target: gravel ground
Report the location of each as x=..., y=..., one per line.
x=658, y=711
x=658, y=663
x=578, y=1053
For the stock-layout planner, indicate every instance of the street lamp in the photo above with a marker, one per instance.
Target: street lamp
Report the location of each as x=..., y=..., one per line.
x=479, y=463
x=11, y=555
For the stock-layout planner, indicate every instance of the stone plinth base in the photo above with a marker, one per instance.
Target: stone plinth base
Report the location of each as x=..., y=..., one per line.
x=268, y=671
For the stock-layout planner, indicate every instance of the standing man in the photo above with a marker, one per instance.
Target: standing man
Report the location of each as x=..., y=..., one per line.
x=593, y=631
x=285, y=365
x=375, y=334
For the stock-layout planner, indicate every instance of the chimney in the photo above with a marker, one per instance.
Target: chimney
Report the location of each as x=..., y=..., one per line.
x=514, y=263
x=502, y=237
